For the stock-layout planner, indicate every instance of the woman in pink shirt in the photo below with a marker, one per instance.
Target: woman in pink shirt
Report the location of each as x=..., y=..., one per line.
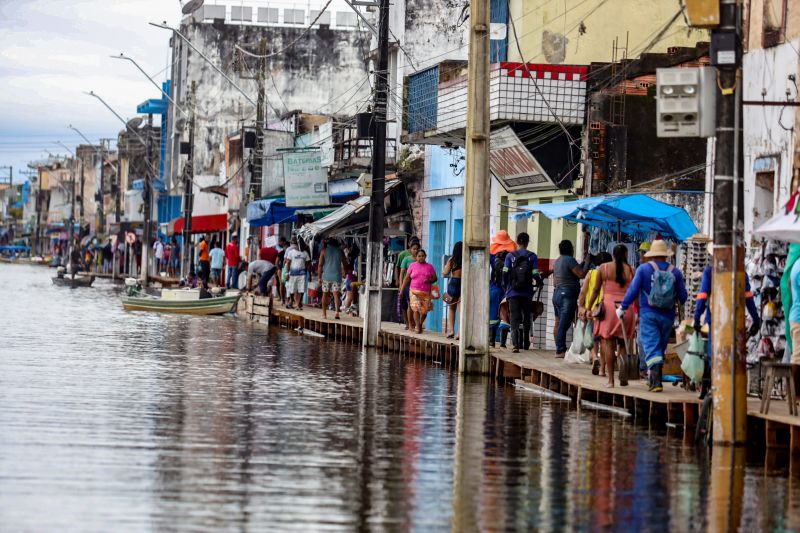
x=421, y=276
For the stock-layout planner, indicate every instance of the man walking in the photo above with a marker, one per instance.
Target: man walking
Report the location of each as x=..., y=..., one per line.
x=205, y=261
x=659, y=286
x=519, y=270
x=296, y=284
x=233, y=258
x=158, y=254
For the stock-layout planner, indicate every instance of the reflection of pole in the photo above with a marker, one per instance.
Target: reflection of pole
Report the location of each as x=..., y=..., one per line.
x=725, y=497
x=728, y=328
x=474, y=322
x=372, y=316
x=471, y=403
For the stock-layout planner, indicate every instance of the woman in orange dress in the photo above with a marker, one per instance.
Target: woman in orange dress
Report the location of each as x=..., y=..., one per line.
x=613, y=278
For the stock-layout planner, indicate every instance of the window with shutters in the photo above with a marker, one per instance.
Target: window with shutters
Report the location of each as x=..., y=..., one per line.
x=774, y=24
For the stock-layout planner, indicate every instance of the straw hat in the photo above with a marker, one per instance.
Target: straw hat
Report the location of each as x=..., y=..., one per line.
x=659, y=248
x=502, y=242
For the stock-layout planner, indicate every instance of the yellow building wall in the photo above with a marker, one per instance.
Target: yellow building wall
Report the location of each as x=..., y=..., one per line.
x=578, y=32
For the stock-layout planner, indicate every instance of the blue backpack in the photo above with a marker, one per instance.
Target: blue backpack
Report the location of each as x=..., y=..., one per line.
x=662, y=290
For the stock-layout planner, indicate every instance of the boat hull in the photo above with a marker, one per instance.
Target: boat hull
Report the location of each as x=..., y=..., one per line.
x=206, y=306
x=78, y=281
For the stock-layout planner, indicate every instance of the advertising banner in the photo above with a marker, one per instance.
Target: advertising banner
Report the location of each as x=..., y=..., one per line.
x=513, y=164
x=305, y=179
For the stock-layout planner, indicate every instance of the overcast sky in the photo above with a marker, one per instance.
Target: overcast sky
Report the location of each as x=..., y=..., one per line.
x=52, y=51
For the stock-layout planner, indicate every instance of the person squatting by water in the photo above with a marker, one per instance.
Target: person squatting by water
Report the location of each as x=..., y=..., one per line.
x=658, y=286
x=262, y=269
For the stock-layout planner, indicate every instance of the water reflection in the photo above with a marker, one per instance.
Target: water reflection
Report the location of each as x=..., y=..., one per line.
x=132, y=422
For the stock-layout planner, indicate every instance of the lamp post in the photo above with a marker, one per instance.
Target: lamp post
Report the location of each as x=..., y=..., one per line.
x=155, y=84
x=146, y=196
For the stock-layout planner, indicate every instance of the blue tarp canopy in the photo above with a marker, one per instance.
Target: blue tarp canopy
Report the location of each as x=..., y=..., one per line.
x=274, y=210
x=269, y=212
x=14, y=248
x=634, y=214
x=157, y=184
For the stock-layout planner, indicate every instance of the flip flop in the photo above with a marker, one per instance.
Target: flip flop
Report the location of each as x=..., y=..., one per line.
x=596, y=367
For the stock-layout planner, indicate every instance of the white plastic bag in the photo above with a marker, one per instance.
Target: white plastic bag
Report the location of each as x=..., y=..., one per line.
x=588, y=334
x=577, y=338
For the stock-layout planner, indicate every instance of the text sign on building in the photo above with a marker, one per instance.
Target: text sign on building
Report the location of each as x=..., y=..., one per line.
x=305, y=179
x=514, y=166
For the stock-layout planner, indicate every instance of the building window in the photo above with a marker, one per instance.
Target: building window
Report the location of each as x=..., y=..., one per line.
x=774, y=24
x=241, y=14
x=268, y=15
x=764, y=198
x=294, y=16
x=345, y=19
x=324, y=19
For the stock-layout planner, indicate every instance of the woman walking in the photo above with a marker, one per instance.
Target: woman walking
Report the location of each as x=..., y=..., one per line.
x=453, y=269
x=420, y=276
x=613, y=279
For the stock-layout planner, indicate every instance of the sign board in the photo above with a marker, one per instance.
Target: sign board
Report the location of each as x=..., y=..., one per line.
x=514, y=166
x=305, y=179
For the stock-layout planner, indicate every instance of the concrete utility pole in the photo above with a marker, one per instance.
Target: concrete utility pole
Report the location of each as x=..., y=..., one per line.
x=188, y=192
x=147, y=196
x=256, y=179
x=729, y=375
x=372, y=315
x=474, y=320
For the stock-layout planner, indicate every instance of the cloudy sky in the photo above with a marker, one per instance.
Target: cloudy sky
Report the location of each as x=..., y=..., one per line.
x=54, y=50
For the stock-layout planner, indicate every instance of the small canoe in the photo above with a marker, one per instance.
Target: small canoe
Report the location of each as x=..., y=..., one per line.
x=77, y=281
x=218, y=305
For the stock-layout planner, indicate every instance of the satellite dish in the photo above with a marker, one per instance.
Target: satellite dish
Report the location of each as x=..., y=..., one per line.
x=135, y=122
x=192, y=6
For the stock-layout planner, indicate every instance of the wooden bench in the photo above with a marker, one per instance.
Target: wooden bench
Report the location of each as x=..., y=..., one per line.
x=778, y=371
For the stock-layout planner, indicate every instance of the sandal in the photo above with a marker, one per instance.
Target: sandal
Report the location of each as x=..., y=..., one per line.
x=337, y=317
x=596, y=367
x=451, y=336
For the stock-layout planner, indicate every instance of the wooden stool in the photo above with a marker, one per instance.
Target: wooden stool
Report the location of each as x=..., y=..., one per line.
x=777, y=371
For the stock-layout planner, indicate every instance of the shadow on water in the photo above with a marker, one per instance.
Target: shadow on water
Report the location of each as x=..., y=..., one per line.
x=132, y=421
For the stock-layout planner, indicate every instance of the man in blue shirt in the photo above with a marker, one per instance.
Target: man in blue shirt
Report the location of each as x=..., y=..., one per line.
x=655, y=323
x=518, y=281
x=702, y=307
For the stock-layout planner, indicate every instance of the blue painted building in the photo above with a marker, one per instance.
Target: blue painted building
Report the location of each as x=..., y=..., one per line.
x=443, y=214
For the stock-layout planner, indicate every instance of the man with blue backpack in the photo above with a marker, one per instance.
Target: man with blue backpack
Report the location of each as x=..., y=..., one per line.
x=659, y=286
x=520, y=271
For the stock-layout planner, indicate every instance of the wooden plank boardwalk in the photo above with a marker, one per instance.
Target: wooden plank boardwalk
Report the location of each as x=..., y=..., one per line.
x=673, y=407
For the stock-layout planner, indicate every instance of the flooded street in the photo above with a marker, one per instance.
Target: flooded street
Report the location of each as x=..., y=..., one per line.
x=114, y=421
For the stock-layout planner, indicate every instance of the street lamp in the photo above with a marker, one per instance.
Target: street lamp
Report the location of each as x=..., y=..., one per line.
x=201, y=54
x=127, y=127
x=157, y=86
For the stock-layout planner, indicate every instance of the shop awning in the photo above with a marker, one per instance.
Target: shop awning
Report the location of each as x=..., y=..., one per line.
x=785, y=225
x=269, y=212
x=634, y=214
x=352, y=215
x=201, y=224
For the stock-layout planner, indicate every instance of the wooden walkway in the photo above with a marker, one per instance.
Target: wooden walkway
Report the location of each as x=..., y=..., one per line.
x=539, y=369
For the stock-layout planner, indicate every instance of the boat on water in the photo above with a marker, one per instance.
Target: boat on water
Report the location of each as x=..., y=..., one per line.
x=186, y=301
x=61, y=279
x=77, y=281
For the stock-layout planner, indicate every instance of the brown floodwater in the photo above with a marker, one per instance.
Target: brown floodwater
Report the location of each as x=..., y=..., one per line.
x=117, y=421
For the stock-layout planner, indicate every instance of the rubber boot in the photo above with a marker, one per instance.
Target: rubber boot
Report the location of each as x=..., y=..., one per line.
x=655, y=378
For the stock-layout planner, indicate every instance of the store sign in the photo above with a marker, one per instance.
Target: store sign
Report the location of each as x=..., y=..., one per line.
x=514, y=166
x=305, y=179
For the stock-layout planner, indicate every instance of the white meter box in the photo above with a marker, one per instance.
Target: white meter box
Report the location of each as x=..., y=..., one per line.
x=686, y=102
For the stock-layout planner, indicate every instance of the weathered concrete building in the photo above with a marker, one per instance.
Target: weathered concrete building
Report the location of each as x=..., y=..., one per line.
x=771, y=72
x=319, y=70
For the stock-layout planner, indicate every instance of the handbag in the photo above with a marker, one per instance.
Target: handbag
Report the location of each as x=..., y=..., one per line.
x=599, y=311
x=537, y=306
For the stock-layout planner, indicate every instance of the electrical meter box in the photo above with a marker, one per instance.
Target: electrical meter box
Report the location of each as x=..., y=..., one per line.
x=686, y=102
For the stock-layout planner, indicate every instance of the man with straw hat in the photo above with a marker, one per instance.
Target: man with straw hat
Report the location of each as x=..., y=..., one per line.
x=659, y=286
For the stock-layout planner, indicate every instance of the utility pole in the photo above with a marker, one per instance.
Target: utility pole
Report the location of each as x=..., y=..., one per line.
x=147, y=195
x=474, y=320
x=101, y=217
x=729, y=377
x=256, y=179
x=188, y=193
x=372, y=316
x=83, y=180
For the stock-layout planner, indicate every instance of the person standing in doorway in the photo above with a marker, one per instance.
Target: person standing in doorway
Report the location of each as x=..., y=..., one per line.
x=232, y=257
x=205, y=260
x=217, y=257
x=659, y=286
x=453, y=269
x=296, y=284
x=519, y=270
x=331, y=270
x=567, y=282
